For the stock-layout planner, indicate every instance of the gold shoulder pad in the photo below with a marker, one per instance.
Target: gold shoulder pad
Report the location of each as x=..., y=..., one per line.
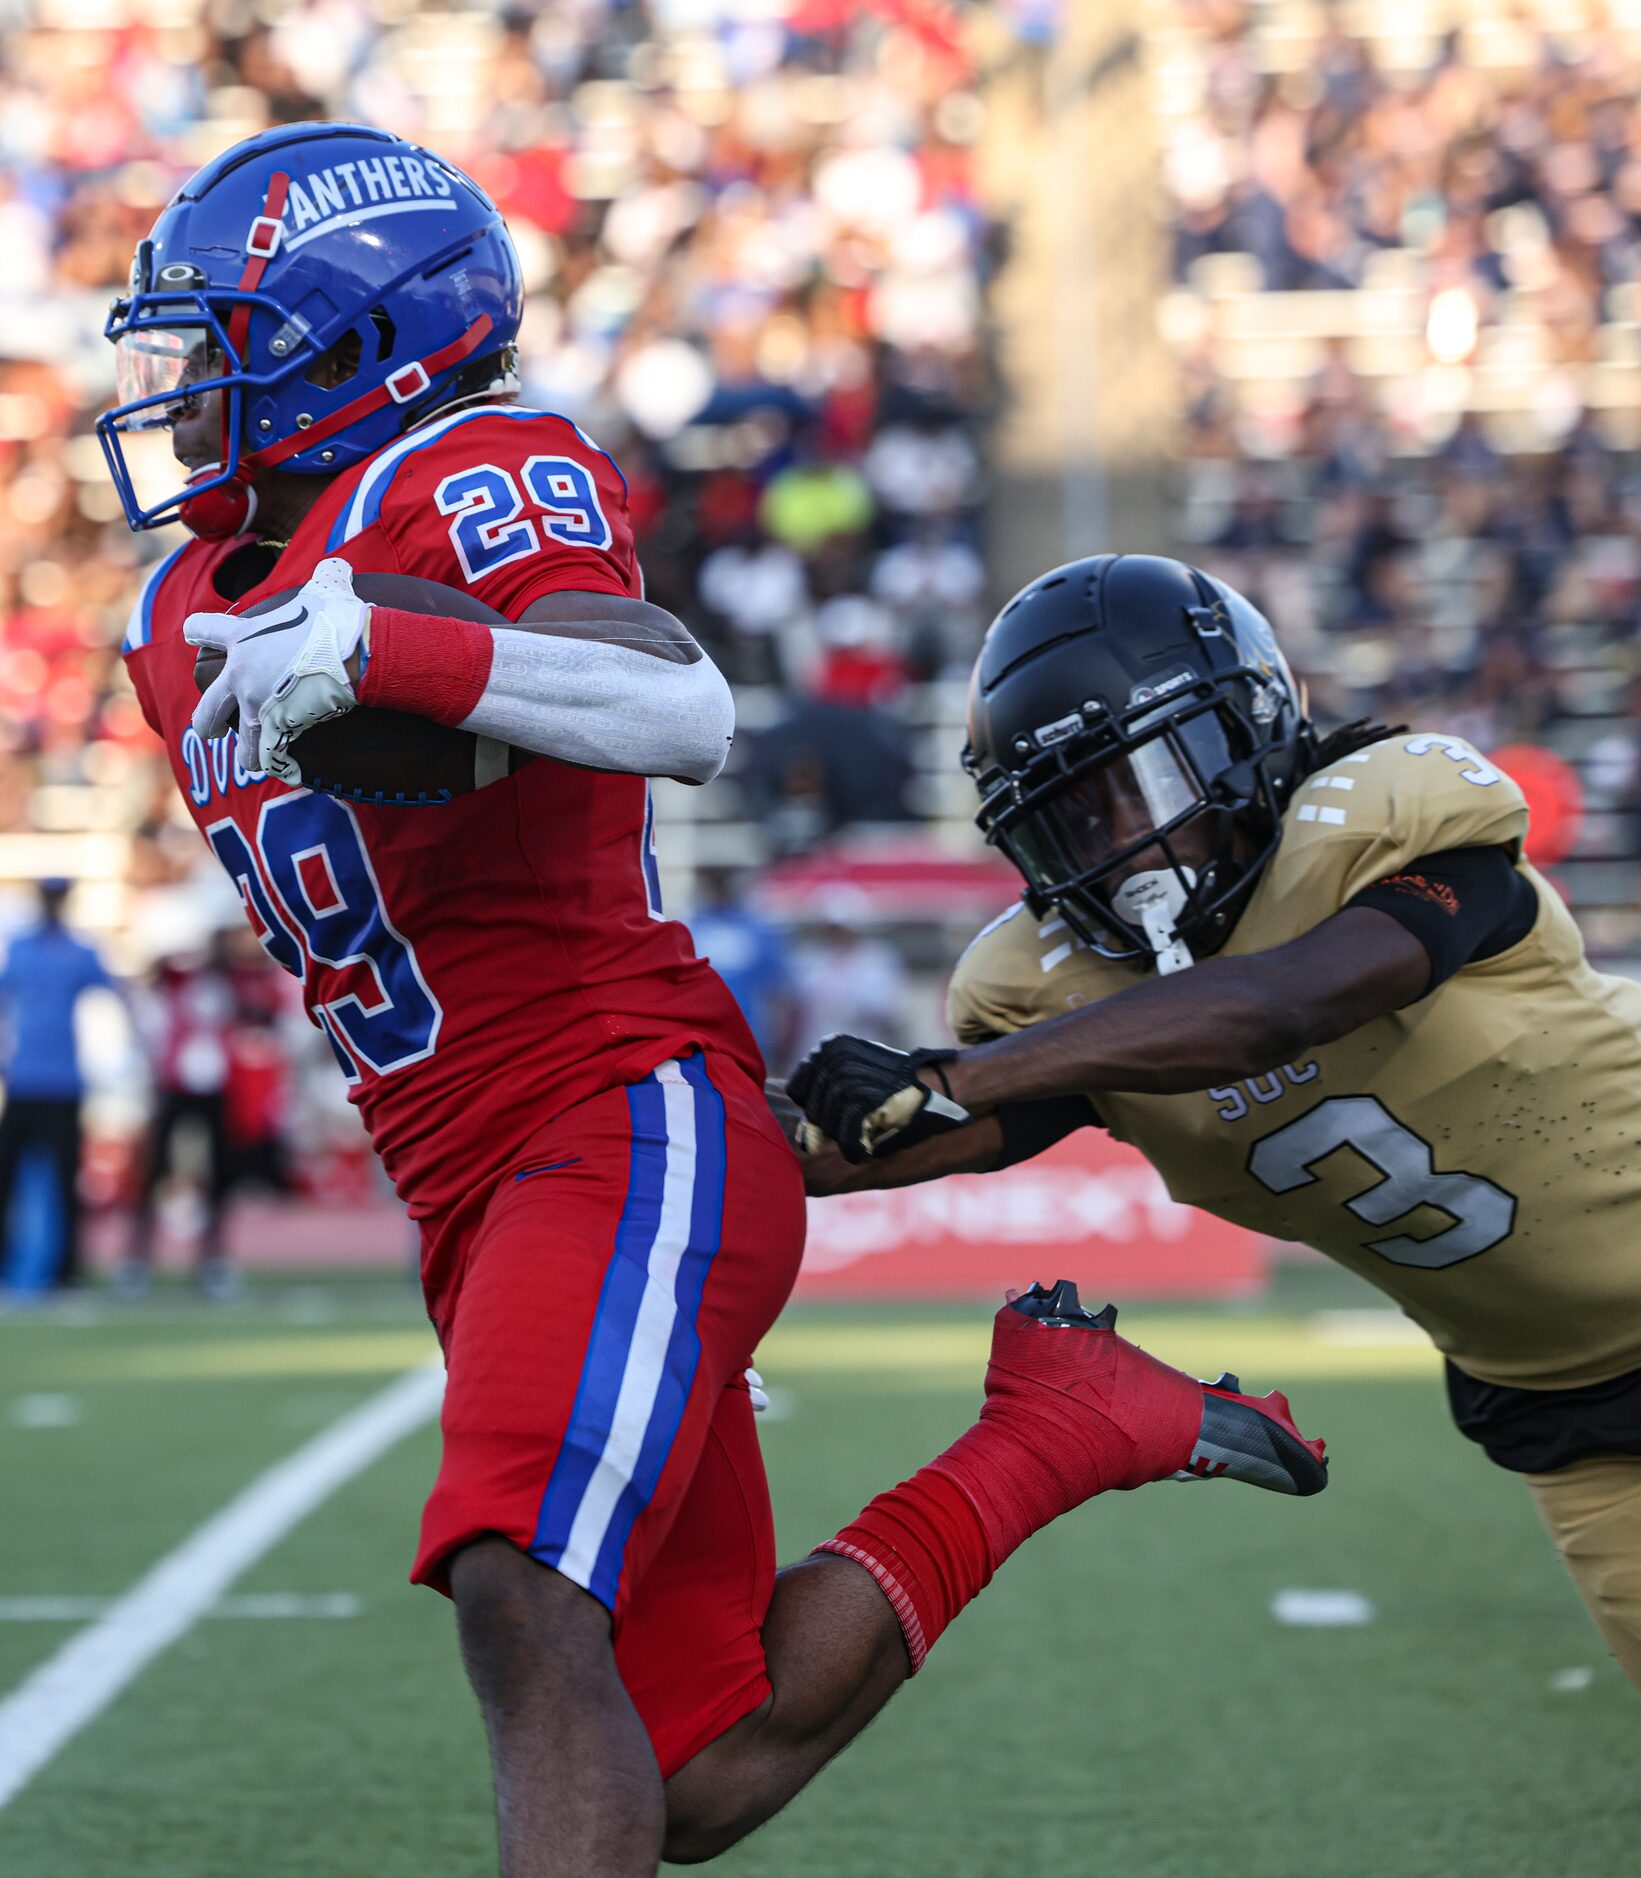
x=1410, y=795
x=1019, y=970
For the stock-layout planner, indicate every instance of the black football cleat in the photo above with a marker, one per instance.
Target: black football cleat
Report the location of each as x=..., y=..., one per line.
x=1253, y=1438
x=1058, y=1306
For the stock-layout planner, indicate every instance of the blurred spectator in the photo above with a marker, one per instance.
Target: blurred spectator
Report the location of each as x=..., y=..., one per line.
x=46, y=973
x=749, y=953
x=934, y=583
x=257, y=1096
x=824, y=766
x=845, y=980
x=187, y=1019
x=757, y=589
x=816, y=500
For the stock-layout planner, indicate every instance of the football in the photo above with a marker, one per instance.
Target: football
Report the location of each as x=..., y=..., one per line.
x=390, y=758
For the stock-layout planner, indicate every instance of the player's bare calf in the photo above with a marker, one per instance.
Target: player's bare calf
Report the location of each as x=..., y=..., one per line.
x=577, y=1787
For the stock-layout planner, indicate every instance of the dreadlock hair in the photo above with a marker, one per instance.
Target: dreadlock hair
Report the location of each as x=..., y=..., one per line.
x=1346, y=741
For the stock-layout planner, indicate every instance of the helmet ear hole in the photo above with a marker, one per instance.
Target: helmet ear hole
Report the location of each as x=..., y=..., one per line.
x=386, y=333
x=338, y=365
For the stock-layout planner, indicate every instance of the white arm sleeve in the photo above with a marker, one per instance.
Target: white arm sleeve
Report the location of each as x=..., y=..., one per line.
x=606, y=706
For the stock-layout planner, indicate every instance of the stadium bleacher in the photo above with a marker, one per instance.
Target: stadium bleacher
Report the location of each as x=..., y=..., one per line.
x=1406, y=322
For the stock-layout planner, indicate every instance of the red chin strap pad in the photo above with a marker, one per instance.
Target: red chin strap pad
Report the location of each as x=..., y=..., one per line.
x=221, y=513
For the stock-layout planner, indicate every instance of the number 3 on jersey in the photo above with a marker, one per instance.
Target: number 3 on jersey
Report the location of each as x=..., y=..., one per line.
x=489, y=528
x=1481, y=1213
x=324, y=905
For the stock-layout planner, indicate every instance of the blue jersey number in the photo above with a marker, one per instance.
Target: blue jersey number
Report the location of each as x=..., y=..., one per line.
x=486, y=530
x=234, y=852
x=325, y=905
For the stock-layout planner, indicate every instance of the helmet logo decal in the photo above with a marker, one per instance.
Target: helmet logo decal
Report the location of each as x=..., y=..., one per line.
x=1047, y=735
x=1162, y=688
x=1265, y=703
x=362, y=190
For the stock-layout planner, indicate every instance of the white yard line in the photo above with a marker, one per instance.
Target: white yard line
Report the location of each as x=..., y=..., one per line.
x=258, y=1604
x=1322, y=1610
x=73, y=1687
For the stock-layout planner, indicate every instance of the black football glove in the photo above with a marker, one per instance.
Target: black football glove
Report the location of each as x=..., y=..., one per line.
x=868, y=1099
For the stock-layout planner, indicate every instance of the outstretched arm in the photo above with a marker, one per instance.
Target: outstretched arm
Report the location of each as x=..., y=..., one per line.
x=1018, y=1131
x=1222, y=1020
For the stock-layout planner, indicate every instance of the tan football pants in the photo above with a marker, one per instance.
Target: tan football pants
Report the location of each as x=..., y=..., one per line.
x=1592, y=1510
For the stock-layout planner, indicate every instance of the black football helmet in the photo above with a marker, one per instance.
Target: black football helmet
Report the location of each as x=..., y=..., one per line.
x=1135, y=735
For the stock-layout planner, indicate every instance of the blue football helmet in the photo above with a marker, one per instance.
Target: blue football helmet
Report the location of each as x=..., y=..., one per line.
x=295, y=242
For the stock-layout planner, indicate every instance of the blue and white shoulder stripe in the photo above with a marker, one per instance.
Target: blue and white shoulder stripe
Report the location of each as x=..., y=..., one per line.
x=139, y=630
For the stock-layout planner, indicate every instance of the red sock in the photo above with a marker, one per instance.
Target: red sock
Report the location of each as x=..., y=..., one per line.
x=1068, y=1414
x=925, y=1544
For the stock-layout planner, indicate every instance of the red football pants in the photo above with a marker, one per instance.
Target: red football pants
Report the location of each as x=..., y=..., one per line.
x=606, y=1303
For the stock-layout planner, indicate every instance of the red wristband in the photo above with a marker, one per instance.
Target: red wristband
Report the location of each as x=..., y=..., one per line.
x=427, y=665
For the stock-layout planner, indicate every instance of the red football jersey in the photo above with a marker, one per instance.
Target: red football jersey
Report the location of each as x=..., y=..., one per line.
x=479, y=965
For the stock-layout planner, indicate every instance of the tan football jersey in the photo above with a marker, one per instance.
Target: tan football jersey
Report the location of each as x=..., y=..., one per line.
x=1476, y=1155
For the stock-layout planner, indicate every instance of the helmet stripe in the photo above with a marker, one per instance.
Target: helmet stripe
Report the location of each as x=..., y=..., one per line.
x=355, y=216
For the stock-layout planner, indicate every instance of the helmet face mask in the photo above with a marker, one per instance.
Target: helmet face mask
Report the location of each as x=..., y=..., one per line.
x=1145, y=815
x=170, y=353
x=263, y=264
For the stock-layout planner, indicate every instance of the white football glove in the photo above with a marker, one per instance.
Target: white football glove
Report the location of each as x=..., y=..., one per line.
x=286, y=671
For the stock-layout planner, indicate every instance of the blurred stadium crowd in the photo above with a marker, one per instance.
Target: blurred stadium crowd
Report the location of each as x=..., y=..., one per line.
x=755, y=260
x=1407, y=315
x=1403, y=309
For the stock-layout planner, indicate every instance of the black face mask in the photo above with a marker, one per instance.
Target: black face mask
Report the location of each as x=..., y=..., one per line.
x=1137, y=846
x=1116, y=809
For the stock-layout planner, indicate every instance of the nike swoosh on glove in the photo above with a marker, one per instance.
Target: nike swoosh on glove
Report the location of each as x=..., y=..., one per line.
x=283, y=671
x=867, y=1098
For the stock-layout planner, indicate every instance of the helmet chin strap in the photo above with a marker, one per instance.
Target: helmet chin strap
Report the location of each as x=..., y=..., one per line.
x=1154, y=901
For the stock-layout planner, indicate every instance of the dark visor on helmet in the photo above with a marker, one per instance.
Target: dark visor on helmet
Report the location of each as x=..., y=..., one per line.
x=1152, y=789
x=1107, y=809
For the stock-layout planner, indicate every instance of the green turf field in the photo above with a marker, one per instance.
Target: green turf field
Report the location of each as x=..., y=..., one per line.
x=1121, y=1702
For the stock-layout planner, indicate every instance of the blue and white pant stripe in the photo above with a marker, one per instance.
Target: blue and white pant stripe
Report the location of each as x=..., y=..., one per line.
x=645, y=1347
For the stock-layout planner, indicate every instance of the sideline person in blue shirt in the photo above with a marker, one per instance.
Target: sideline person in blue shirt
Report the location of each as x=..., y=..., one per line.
x=46, y=971
x=748, y=953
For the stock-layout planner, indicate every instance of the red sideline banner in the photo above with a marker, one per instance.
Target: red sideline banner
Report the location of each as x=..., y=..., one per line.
x=1090, y=1209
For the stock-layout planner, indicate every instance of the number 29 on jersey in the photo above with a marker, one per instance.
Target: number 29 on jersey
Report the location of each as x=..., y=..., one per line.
x=488, y=526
